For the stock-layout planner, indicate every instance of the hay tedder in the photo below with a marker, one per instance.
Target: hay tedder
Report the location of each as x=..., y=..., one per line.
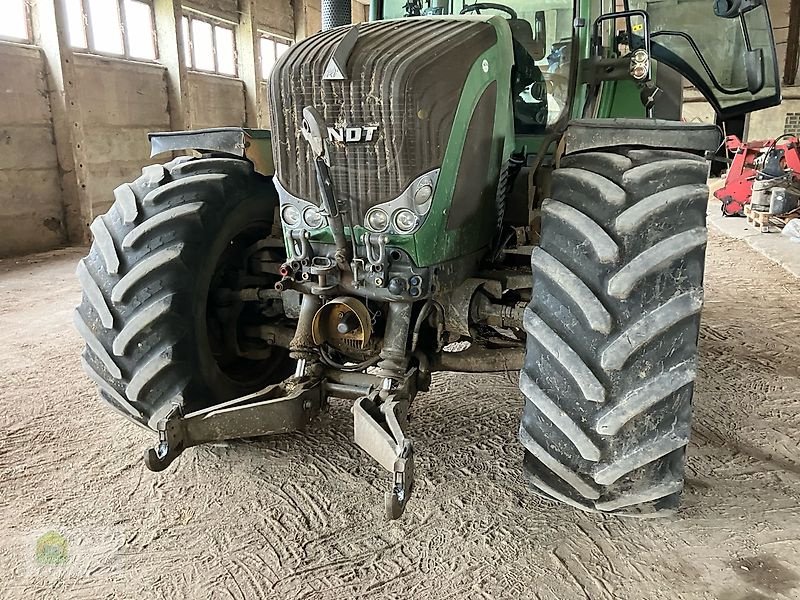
x=763, y=177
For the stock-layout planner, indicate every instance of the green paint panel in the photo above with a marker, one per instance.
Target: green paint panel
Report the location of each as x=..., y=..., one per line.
x=620, y=99
x=434, y=242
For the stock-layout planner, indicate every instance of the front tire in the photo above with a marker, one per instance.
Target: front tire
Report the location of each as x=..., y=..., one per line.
x=154, y=332
x=612, y=329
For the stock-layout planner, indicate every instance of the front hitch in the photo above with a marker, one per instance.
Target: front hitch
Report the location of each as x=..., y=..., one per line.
x=379, y=416
x=279, y=408
x=378, y=431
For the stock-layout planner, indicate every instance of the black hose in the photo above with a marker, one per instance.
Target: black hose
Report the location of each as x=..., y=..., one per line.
x=423, y=313
x=348, y=368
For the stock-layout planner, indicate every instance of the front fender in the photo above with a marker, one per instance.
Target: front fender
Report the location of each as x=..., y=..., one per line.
x=252, y=144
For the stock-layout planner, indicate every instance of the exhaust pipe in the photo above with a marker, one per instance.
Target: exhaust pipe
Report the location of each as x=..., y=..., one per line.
x=335, y=13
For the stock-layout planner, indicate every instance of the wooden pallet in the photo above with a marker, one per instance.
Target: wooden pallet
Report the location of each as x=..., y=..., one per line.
x=757, y=218
x=763, y=219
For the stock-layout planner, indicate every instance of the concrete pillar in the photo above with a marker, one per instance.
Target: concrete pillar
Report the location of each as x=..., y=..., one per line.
x=249, y=57
x=307, y=18
x=49, y=26
x=299, y=8
x=169, y=35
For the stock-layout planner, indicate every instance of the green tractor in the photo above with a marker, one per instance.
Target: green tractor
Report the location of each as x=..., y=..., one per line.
x=451, y=187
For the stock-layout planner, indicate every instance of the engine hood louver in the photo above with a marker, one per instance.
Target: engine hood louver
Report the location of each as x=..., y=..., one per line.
x=393, y=112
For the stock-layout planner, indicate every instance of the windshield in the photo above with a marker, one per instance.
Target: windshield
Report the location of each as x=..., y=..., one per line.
x=540, y=81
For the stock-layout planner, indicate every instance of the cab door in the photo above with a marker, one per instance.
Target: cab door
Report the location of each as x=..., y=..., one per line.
x=725, y=48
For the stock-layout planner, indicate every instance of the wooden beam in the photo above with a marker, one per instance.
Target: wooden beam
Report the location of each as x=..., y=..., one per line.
x=792, y=44
x=169, y=35
x=249, y=67
x=49, y=28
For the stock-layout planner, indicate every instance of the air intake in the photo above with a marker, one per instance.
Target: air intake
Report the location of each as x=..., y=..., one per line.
x=335, y=13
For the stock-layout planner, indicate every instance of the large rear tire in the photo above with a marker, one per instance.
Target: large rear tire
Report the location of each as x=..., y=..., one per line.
x=612, y=329
x=149, y=315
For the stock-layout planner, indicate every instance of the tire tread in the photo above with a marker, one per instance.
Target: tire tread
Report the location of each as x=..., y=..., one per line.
x=137, y=280
x=608, y=399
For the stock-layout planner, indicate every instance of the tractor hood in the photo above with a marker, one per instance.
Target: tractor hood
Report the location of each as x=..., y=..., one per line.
x=388, y=92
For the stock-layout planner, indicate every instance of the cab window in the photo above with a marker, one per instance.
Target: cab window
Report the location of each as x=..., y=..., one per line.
x=540, y=83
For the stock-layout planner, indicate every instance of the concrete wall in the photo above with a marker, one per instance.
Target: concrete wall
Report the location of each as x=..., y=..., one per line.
x=359, y=11
x=770, y=123
x=762, y=124
x=263, y=89
x=276, y=16
x=224, y=9
x=311, y=15
x=215, y=101
x=779, y=16
x=31, y=211
x=120, y=102
x=113, y=105
x=695, y=108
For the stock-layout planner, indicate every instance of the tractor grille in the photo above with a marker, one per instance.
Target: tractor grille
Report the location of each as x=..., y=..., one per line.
x=405, y=77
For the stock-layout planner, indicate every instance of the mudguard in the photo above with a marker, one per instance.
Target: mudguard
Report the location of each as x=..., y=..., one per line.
x=252, y=144
x=588, y=134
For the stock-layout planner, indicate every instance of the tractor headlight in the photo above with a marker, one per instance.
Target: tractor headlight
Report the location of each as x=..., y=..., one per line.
x=640, y=65
x=423, y=193
x=313, y=218
x=290, y=215
x=404, y=220
x=377, y=220
x=406, y=213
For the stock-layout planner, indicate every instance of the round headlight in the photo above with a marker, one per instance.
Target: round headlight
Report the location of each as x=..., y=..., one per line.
x=639, y=71
x=313, y=218
x=290, y=215
x=377, y=220
x=405, y=220
x=640, y=64
x=423, y=194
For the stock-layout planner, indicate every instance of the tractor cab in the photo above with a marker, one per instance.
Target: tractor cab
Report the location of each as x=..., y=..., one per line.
x=724, y=48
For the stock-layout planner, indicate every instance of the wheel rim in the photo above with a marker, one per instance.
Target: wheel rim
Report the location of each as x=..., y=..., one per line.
x=226, y=317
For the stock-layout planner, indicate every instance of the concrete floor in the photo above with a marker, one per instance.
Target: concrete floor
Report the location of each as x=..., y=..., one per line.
x=299, y=516
x=776, y=247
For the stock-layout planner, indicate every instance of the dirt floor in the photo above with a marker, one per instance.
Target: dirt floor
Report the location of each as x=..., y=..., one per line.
x=300, y=516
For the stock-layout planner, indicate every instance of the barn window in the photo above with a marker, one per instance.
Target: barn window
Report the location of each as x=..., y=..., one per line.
x=112, y=27
x=209, y=44
x=15, y=21
x=272, y=47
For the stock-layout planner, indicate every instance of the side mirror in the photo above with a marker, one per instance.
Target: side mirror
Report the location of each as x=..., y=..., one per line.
x=754, y=70
x=539, y=34
x=731, y=9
